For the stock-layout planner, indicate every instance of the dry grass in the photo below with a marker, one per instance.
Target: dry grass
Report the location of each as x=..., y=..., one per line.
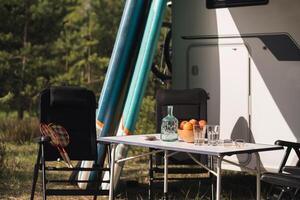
x=18, y=131
x=2, y=155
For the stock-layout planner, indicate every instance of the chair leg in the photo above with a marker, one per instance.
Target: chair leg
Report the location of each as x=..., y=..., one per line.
x=281, y=194
x=97, y=185
x=98, y=176
x=43, y=172
x=292, y=193
x=150, y=186
x=212, y=180
x=296, y=192
x=74, y=174
x=35, y=173
x=269, y=192
x=287, y=192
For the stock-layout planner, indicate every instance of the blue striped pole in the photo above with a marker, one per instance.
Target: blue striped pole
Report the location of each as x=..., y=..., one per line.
x=119, y=70
x=139, y=80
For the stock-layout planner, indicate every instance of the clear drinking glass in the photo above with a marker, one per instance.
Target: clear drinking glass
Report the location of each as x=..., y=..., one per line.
x=169, y=126
x=213, y=134
x=239, y=143
x=199, y=135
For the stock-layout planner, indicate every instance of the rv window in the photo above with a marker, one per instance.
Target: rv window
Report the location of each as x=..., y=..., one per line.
x=210, y=4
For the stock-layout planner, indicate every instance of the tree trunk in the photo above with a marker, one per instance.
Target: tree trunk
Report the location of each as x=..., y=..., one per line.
x=25, y=36
x=20, y=112
x=24, y=61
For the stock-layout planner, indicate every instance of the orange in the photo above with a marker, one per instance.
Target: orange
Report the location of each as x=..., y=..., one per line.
x=188, y=126
x=202, y=123
x=193, y=121
x=182, y=124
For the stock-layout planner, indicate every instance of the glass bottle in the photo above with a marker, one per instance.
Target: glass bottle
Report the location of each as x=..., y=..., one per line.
x=169, y=126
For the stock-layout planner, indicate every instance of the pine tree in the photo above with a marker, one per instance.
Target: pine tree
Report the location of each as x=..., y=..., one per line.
x=28, y=30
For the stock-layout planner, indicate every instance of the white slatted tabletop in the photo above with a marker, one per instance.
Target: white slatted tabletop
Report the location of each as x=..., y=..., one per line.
x=219, y=150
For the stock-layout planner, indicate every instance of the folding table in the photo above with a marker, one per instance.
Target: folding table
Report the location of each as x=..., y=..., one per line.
x=217, y=152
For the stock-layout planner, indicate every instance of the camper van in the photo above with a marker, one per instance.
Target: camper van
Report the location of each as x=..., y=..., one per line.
x=245, y=54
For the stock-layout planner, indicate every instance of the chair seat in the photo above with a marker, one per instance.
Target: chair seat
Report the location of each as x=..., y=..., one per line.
x=286, y=180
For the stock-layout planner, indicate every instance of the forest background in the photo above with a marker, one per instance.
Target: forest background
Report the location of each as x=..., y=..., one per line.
x=47, y=43
x=57, y=42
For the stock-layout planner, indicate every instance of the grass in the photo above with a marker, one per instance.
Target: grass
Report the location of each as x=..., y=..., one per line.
x=17, y=172
x=16, y=180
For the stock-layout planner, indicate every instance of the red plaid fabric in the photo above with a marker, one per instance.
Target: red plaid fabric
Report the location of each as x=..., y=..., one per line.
x=61, y=136
x=58, y=134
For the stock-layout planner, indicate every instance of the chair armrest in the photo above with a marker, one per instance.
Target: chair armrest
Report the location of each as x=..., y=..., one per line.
x=292, y=170
x=102, y=142
x=42, y=139
x=286, y=180
x=288, y=144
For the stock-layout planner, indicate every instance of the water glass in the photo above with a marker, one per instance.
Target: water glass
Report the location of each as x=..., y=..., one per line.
x=213, y=134
x=199, y=134
x=239, y=143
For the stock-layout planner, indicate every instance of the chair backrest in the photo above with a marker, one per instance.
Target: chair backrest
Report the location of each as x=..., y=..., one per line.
x=187, y=104
x=74, y=108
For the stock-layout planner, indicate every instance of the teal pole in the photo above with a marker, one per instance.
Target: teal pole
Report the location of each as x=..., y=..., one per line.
x=119, y=70
x=120, y=58
x=143, y=64
x=139, y=80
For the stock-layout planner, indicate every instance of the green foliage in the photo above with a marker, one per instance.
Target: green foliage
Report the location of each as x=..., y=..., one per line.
x=146, y=120
x=83, y=40
x=28, y=30
x=57, y=42
x=52, y=42
x=108, y=15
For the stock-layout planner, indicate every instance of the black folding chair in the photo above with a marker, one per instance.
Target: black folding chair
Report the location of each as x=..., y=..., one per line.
x=288, y=177
x=187, y=104
x=73, y=108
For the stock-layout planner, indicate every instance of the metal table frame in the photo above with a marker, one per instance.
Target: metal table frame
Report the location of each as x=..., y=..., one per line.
x=217, y=152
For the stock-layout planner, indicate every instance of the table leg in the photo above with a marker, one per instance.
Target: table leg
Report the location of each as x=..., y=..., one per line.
x=166, y=175
x=258, y=173
x=212, y=179
x=112, y=171
x=219, y=171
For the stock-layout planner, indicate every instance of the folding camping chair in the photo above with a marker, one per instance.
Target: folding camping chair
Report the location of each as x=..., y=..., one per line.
x=288, y=177
x=187, y=104
x=73, y=108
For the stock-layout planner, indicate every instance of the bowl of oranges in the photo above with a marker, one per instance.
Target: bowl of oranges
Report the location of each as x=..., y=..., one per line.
x=185, y=130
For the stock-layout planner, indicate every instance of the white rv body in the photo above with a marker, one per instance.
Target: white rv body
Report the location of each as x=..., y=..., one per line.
x=248, y=60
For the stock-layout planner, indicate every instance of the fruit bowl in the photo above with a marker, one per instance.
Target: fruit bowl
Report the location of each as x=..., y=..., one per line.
x=186, y=135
